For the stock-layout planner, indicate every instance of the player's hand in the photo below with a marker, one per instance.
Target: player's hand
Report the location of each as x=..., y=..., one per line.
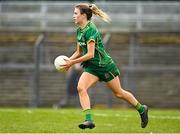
x=68, y=64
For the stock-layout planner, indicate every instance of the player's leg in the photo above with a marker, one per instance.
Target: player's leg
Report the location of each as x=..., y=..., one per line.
x=85, y=82
x=115, y=86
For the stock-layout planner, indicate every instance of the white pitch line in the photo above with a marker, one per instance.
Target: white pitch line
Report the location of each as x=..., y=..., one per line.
x=151, y=116
x=165, y=117
x=104, y=115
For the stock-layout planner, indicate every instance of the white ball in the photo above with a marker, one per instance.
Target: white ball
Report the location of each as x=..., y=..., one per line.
x=59, y=61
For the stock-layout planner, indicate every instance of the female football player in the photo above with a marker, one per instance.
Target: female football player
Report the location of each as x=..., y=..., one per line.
x=97, y=64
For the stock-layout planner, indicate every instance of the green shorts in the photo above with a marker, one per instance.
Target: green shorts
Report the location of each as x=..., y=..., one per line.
x=104, y=73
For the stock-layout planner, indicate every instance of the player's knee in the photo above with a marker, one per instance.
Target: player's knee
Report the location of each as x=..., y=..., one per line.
x=81, y=89
x=119, y=95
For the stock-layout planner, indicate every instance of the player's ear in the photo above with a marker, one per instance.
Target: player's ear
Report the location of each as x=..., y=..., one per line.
x=84, y=15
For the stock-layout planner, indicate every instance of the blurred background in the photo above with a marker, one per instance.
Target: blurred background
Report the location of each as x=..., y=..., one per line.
x=143, y=38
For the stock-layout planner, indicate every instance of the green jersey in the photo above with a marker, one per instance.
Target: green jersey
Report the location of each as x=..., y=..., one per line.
x=87, y=34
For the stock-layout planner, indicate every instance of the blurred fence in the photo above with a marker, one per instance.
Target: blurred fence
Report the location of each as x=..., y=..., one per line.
x=57, y=16
x=145, y=44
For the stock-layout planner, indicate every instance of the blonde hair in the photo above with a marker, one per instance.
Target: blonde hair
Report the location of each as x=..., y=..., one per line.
x=98, y=12
x=90, y=9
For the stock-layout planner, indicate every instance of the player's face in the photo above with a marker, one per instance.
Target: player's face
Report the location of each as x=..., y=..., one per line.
x=77, y=16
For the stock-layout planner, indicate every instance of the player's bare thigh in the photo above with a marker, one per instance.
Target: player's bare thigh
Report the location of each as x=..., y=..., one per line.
x=115, y=85
x=86, y=81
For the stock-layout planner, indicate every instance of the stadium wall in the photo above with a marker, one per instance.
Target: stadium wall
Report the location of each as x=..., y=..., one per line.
x=145, y=44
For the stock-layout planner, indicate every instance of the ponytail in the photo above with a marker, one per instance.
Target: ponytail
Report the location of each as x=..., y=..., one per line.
x=91, y=9
x=98, y=12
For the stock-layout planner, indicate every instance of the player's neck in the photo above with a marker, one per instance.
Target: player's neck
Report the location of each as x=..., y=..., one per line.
x=83, y=24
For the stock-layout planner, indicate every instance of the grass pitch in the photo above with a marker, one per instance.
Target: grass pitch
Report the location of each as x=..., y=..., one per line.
x=66, y=121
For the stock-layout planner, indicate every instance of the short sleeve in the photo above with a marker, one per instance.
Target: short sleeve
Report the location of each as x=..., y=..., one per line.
x=91, y=35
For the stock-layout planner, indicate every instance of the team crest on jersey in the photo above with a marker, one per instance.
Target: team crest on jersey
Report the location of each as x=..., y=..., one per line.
x=83, y=39
x=106, y=75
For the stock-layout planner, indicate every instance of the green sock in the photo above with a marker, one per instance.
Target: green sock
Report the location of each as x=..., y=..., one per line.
x=139, y=108
x=88, y=115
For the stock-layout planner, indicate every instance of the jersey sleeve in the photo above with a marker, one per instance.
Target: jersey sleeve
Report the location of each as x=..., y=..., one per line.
x=91, y=35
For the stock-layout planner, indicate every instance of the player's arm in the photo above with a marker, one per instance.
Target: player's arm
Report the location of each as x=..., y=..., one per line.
x=77, y=53
x=88, y=55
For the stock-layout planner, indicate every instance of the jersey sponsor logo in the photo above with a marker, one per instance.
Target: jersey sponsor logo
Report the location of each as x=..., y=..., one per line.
x=82, y=43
